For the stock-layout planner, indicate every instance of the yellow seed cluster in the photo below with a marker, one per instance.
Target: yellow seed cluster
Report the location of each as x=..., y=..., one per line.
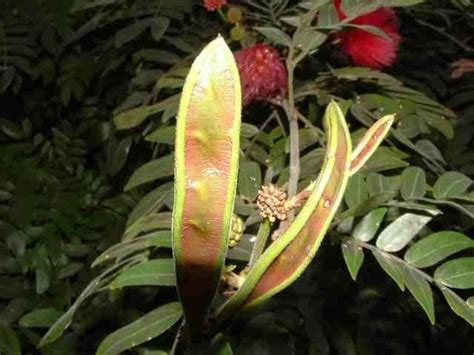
x=236, y=231
x=272, y=203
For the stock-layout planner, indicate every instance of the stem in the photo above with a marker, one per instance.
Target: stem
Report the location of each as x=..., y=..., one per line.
x=260, y=130
x=319, y=133
x=290, y=110
x=262, y=237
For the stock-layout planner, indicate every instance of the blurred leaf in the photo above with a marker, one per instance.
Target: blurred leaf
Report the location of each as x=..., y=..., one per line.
x=158, y=272
x=458, y=273
x=275, y=35
x=164, y=135
x=413, y=183
x=370, y=224
x=353, y=256
x=436, y=247
x=9, y=344
x=40, y=318
x=401, y=231
x=130, y=32
x=451, y=184
x=151, y=171
x=142, y=330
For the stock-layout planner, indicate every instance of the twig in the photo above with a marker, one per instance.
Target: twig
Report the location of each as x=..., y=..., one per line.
x=262, y=127
x=262, y=237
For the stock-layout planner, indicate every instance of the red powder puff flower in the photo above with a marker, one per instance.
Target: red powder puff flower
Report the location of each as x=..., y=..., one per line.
x=262, y=73
x=212, y=5
x=365, y=48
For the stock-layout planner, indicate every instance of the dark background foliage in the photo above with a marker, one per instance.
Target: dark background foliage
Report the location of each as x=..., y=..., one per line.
x=79, y=169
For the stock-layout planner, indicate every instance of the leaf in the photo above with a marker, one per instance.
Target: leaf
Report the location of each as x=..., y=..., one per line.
x=356, y=191
x=9, y=343
x=206, y=169
x=436, y=247
x=458, y=273
x=150, y=202
x=158, y=27
x=401, y=231
x=123, y=249
x=250, y=179
x=134, y=117
x=151, y=171
x=451, y=184
x=130, y=32
x=391, y=266
x=40, y=318
x=142, y=330
x=353, y=256
x=459, y=306
x=158, y=272
x=430, y=150
x=275, y=35
x=163, y=135
x=421, y=290
x=381, y=161
x=377, y=183
x=413, y=183
x=308, y=40
x=370, y=224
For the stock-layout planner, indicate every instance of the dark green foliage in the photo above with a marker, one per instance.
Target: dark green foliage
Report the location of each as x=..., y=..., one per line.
x=88, y=94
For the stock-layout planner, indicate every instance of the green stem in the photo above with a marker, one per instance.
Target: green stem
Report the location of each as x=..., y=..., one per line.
x=262, y=237
x=290, y=110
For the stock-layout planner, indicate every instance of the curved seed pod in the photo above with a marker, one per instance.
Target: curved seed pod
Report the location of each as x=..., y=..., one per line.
x=289, y=255
x=206, y=164
x=370, y=142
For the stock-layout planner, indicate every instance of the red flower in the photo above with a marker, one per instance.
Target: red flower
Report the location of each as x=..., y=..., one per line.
x=212, y=5
x=262, y=73
x=365, y=48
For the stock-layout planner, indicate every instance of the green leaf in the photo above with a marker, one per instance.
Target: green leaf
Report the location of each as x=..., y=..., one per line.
x=134, y=117
x=391, y=266
x=40, y=318
x=353, y=256
x=130, y=32
x=151, y=171
x=413, y=183
x=440, y=123
x=430, y=150
x=436, y=247
x=309, y=40
x=9, y=343
x=158, y=272
x=377, y=184
x=421, y=290
x=381, y=161
x=401, y=231
x=470, y=302
x=123, y=249
x=370, y=224
x=250, y=179
x=459, y=306
x=164, y=135
x=158, y=27
x=150, y=202
x=142, y=330
x=275, y=35
x=458, y=273
x=451, y=184
x=356, y=191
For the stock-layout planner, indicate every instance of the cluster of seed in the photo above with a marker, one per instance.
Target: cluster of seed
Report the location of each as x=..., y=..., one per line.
x=236, y=230
x=272, y=203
